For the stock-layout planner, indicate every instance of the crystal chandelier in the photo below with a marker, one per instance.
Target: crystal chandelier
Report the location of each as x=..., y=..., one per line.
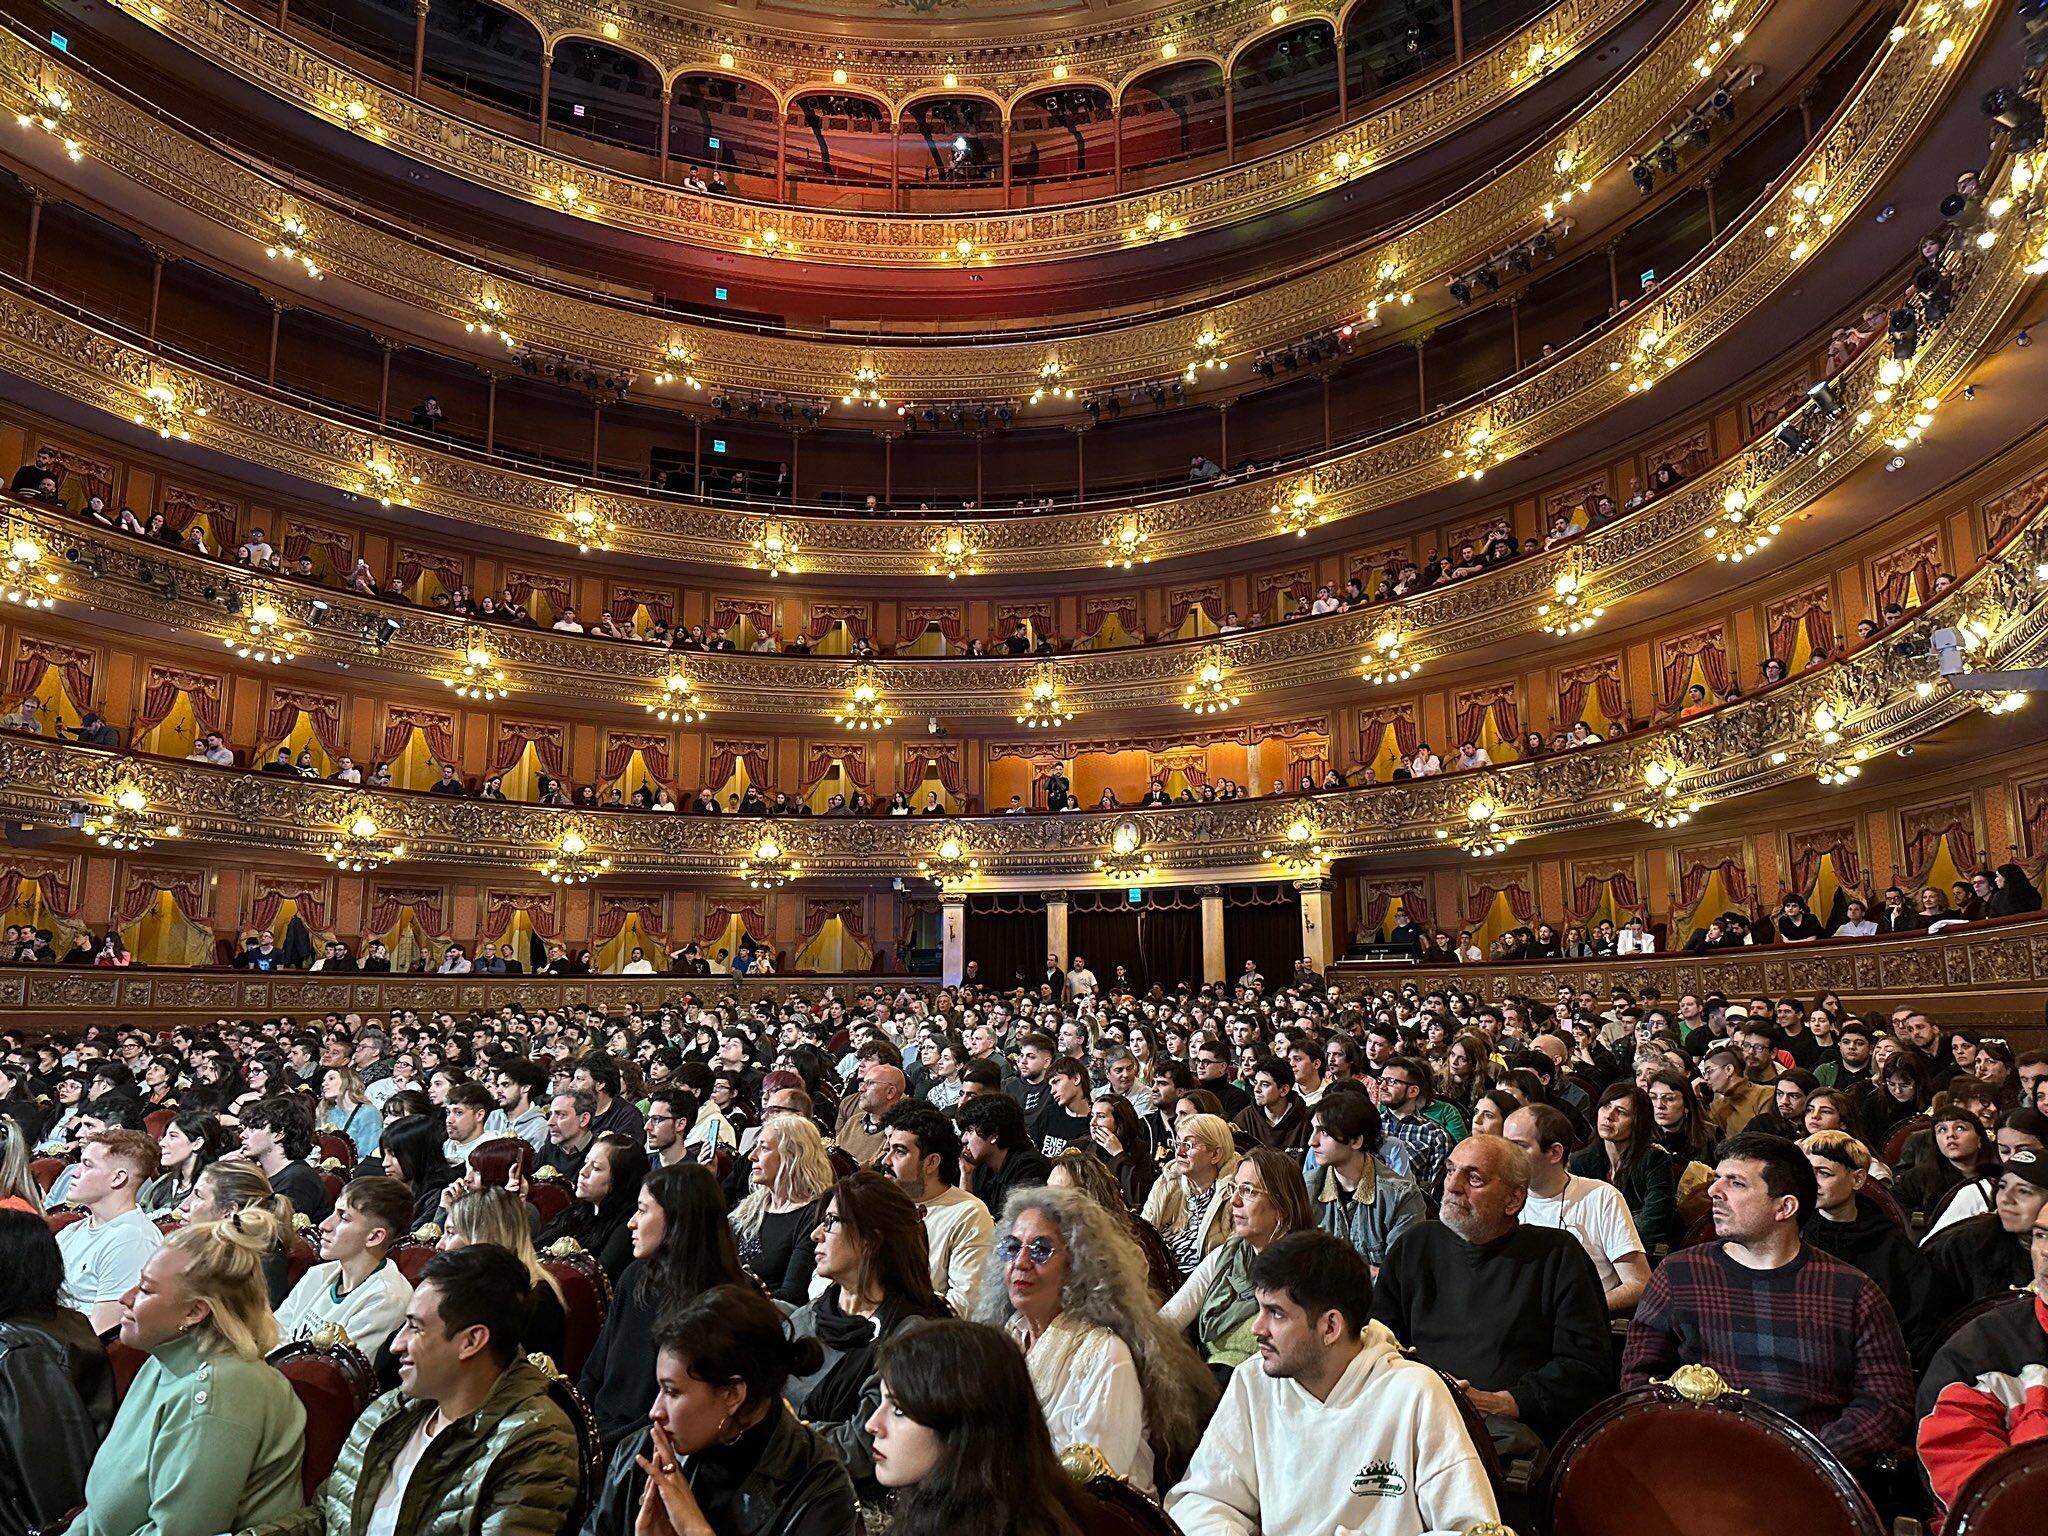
x=769, y=867
x=1568, y=613
x=126, y=826
x=680, y=703
x=576, y=863
x=775, y=551
x=265, y=636
x=952, y=551
x=1044, y=706
x=1384, y=662
x=356, y=848
x=478, y=677
x=1209, y=693
x=951, y=867
x=28, y=579
x=864, y=709
x=1484, y=833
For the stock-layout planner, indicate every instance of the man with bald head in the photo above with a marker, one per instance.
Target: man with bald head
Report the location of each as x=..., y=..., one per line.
x=1514, y=1313
x=881, y=1089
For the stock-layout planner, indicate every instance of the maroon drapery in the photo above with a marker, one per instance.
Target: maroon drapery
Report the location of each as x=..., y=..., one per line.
x=34, y=656
x=1374, y=725
x=400, y=720
x=541, y=908
x=322, y=710
x=612, y=912
x=726, y=755
x=619, y=747
x=187, y=888
x=514, y=736
x=424, y=901
x=752, y=915
x=1480, y=898
x=1809, y=848
x=1574, y=688
x=852, y=756
x=1679, y=655
x=273, y=895
x=945, y=759
x=1692, y=880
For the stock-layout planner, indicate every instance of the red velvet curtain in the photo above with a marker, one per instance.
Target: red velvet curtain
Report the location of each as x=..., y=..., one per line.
x=621, y=745
x=400, y=721
x=1406, y=733
x=387, y=899
x=1519, y=902
x=1572, y=697
x=1693, y=880
x=752, y=915
x=612, y=912
x=514, y=736
x=501, y=906
x=946, y=760
x=302, y=539
x=312, y=905
x=726, y=755
x=34, y=657
x=185, y=887
x=1807, y=852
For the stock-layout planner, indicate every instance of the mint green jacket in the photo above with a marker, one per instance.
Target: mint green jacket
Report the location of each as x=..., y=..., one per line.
x=202, y=1443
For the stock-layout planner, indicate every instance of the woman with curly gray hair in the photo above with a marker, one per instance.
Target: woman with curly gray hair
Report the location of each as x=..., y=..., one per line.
x=1070, y=1286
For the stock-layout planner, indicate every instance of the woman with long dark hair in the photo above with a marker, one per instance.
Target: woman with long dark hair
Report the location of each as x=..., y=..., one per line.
x=872, y=1251
x=1686, y=1137
x=1119, y=1138
x=718, y=1450
x=56, y=1390
x=961, y=1439
x=607, y=1192
x=191, y=1143
x=1955, y=1151
x=1905, y=1088
x=411, y=1149
x=682, y=1247
x=1625, y=1154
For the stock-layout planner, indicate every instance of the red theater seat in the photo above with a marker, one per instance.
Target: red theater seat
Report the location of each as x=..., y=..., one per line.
x=335, y=1384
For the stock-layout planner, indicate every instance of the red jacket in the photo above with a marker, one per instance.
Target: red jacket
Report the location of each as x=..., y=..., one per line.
x=1986, y=1391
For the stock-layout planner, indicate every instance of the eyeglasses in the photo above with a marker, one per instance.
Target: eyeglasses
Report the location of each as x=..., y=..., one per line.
x=1039, y=1250
x=831, y=1223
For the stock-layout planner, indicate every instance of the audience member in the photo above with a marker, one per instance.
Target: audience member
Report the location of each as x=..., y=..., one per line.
x=923, y=1156
x=56, y=1388
x=105, y=1253
x=355, y=1286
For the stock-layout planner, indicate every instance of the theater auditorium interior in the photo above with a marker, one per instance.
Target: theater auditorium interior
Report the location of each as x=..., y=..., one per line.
x=1046, y=767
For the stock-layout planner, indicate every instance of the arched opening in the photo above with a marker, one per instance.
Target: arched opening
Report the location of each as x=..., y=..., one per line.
x=1282, y=83
x=716, y=122
x=838, y=150
x=487, y=54
x=947, y=150
x=598, y=92
x=1171, y=116
x=1387, y=42
x=1064, y=142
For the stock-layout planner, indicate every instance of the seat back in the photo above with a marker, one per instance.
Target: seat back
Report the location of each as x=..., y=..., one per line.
x=586, y=1295
x=46, y=1170
x=300, y=1257
x=1656, y=1461
x=1160, y=1270
x=334, y=1383
x=1482, y=1440
x=589, y=1453
x=126, y=1362
x=2004, y=1497
x=844, y=1164
x=549, y=1199
x=157, y=1121
x=58, y=1220
x=1895, y=1144
x=411, y=1257
x=337, y=1148
x=495, y=1159
x=1111, y=1506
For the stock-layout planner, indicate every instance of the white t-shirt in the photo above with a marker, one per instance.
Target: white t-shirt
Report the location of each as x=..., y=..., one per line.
x=104, y=1259
x=384, y=1513
x=1594, y=1213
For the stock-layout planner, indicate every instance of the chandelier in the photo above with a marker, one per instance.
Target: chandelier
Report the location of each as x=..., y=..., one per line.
x=1568, y=613
x=356, y=848
x=675, y=364
x=585, y=529
x=162, y=414
x=1209, y=693
x=1661, y=807
x=265, y=636
x=1298, y=514
x=1127, y=862
x=384, y=480
x=126, y=826
x=478, y=677
x=489, y=320
x=679, y=703
x=1838, y=769
x=1126, y=544
x=1384, y=662
x=1301, y=852
x=864, y=709
x=1208, y=354
x=1044, y=706
x=866, y=388
x=951, y=867
x=576, y=863
x=775, y=551
x=1478, y=454
x=28, y=580
x=47, y=113
x=1484, y=833
x=1052, y=382
x=291, y=242
x=769, y=867
x=952, y=551
x=1156, y=225
x=1733, y=531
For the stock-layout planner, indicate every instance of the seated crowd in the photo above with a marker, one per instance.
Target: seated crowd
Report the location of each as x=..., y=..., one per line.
x=1988, y=893
x=1288, y=1259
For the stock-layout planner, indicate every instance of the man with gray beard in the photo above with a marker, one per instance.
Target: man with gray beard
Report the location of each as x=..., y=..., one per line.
x=1515, y=1314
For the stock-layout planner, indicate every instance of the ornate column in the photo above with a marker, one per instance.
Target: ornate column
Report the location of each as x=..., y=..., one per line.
x=668, y=97
x=952, y=939
x=277, y=309
x=384, y=380
x=1318, y=941
x=37, y=197
x=1212, y=932
x=1056, y=924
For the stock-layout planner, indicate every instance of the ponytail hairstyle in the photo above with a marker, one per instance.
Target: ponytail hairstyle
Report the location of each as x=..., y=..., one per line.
x=996, y=1471
x=239, y=1185
x=735, y=1333
x=224, y=1269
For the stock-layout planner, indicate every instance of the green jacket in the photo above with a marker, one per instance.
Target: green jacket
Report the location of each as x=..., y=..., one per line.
x=508, y=1469
x=201, y=1443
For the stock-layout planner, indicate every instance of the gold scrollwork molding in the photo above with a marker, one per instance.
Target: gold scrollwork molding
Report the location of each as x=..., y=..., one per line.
x=1752, y=262
x=258, y=52
x=1884, y=695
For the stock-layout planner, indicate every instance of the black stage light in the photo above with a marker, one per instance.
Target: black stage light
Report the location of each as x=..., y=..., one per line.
x=1793, y=439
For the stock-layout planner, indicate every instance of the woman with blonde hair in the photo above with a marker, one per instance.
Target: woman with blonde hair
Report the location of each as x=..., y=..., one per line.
x=237, y=1184
x=773, y=1225
x=1188, y=1206
x=19, y=1190
x=498, y=1217
x=1069, y=1286
x=209, y=1437
x=1268, y=1200
x=345, y=1109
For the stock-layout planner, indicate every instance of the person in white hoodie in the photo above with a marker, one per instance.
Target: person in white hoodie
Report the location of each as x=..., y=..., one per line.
x=923, y=1156
x=356, y=1286
x=1329, y=1431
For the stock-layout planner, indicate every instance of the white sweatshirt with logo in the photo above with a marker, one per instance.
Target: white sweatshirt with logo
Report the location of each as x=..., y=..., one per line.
x=1386, y=1455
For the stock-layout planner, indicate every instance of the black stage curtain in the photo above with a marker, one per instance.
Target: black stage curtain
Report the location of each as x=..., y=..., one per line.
x=1157, y=939
x=1262, y=924
x=1006, y=937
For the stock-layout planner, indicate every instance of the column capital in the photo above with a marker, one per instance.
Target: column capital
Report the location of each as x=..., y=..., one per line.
x=1209, y=892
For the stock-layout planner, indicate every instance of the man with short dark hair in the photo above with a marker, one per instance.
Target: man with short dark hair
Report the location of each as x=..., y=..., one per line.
x=995, y=1144
x=1356, y=1196
x=1803, y=1332
x=1736, y=1100
x=923, y=1157
x=570, y=1114
x=598, y=1075
x=1211, y=1060
x=1032, y=1086
x=1335, y=1430
x=471, y=1439
x=514, y=1082
x=1402, y=1083
x=1275, y=1117
x=1064, y=1121
x=277, y=1134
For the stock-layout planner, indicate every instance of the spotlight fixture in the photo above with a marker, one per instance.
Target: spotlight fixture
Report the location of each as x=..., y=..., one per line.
x=385, y=632
x=1824, y=397
x=317, y=612
x=1793, y=440
x=1644, y=178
